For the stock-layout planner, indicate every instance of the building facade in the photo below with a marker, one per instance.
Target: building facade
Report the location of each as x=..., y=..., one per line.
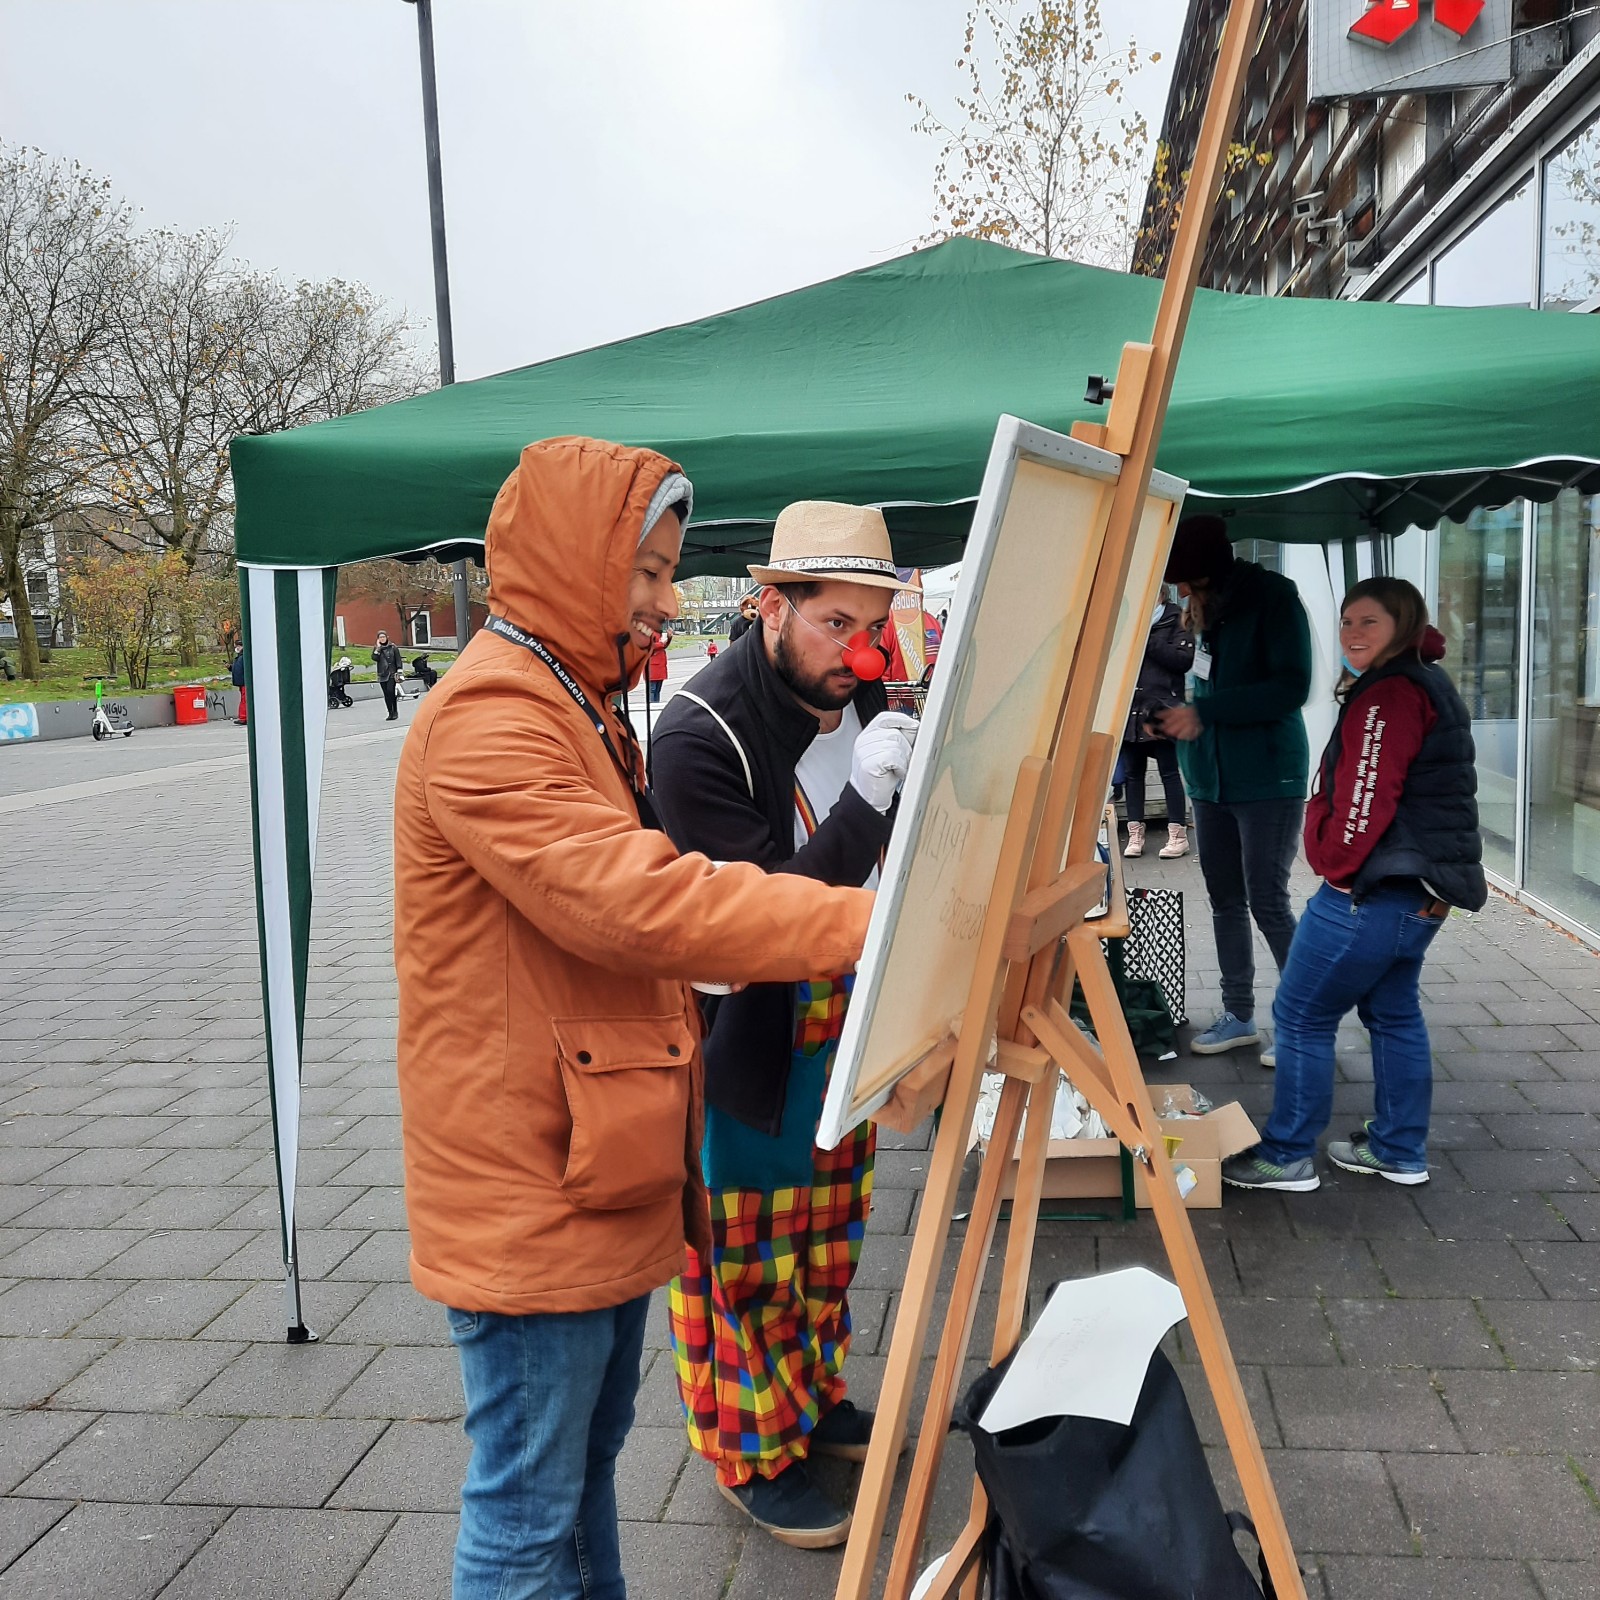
x=1480, y=195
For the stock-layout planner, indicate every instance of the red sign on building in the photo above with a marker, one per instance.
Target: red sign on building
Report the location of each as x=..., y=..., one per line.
x=1388, y=21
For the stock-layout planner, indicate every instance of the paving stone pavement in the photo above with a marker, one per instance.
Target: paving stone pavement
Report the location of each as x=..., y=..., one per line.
x=1423, y=1365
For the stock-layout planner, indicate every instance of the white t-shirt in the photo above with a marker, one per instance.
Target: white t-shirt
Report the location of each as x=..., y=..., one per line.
x=822, y=773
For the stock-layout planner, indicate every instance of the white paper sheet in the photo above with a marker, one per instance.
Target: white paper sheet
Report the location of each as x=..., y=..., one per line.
x=1088, y=1353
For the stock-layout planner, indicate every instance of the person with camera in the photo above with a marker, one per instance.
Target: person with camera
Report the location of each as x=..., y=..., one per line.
x=1168, y=655
x=783, y=753
x=1244, y=758
x=386, y=657
x=546, y=933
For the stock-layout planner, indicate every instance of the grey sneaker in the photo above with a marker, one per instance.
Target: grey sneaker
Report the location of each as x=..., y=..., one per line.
x=1251, y=1170
x=1269, y=1049
x=1228, y=1032
x=792, y=1509
x=1355, y=1155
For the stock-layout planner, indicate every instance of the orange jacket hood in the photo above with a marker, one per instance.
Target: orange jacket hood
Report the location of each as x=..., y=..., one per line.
x=560, y=547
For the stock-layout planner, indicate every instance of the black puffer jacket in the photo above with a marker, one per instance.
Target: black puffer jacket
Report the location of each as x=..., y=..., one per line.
x=1434, y=835
x=1168, y=655
x=709, y=802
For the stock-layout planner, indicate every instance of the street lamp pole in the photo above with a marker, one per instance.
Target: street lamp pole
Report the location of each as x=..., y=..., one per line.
x=441, y=266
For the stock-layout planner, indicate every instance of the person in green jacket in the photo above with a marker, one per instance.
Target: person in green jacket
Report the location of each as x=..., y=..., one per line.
x=1242, y=749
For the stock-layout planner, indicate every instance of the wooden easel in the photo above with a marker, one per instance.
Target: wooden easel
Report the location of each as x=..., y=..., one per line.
x=1035, y=941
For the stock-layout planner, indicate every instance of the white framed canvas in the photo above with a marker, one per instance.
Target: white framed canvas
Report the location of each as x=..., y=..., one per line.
x=1014, y=625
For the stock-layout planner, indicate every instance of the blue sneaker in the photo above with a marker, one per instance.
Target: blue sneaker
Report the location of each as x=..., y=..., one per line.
x=1226, y=1033
x=1251, y=1170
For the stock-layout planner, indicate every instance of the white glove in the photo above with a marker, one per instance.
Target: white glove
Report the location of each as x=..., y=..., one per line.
x=881, y=757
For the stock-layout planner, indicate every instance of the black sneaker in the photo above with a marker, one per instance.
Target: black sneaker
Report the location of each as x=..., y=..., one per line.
x=845, y=1431
x=792, y=1509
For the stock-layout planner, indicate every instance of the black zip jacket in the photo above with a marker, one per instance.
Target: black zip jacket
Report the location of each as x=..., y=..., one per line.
x=705, y=802
x=1168, y=655
x=387, y=660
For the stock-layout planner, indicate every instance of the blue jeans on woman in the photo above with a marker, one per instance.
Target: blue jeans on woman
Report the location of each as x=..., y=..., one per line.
x=1365, y=954
x=549, y=1403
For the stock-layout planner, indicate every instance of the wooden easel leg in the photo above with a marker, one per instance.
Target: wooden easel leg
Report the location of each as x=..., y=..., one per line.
x=944, y=1178
x=1172, y=1218
x=956, y=1336
x=1045, y=976
x=1024, y=985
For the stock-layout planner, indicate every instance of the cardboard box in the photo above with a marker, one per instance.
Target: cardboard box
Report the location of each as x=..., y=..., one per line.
x=1088, y=1169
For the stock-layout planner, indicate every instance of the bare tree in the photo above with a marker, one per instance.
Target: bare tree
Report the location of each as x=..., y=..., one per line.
x=63, y=268
x=409, y=586
x=208, y=350
x=1045, y=155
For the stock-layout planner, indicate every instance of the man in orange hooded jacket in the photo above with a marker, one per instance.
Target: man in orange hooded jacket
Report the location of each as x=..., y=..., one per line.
x=549, y=1047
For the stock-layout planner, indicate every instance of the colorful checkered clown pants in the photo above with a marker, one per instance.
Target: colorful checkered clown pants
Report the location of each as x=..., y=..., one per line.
x=760, y=1329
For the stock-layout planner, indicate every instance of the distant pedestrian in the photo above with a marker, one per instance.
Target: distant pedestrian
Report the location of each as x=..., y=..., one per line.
x=1392, y=829
x=1243, y=755
x=657, y=671
x=711, y=651
x=386, y=657
x=1168, y=654
x=236, y=673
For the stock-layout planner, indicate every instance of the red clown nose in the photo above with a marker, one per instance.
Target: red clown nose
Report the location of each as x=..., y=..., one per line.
x=864, y=659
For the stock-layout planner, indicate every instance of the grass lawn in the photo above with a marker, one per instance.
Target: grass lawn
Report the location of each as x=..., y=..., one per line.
x=70, y=675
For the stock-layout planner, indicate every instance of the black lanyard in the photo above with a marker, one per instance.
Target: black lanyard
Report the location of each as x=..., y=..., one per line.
x=509, y=630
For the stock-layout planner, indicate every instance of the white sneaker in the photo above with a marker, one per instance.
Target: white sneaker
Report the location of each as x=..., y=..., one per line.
x=1177, y=842
x=1135, y=840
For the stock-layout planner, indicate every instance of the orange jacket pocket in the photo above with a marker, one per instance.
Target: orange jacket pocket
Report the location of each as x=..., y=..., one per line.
x=627, y=1085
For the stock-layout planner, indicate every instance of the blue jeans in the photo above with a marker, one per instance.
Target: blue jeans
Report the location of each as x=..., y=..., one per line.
x=1246, y=851
x=549, y=1403
x=1365, y=954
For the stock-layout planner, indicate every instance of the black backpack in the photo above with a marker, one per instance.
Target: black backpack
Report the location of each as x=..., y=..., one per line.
x=1085, y=1509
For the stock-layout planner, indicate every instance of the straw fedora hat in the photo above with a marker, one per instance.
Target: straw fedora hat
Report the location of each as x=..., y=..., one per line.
x=820, y=541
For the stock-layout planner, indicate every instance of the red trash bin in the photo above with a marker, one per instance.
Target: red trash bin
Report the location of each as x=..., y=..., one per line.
x=189, y=703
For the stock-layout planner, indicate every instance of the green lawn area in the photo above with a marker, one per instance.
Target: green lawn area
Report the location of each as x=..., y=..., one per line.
x=70, y=675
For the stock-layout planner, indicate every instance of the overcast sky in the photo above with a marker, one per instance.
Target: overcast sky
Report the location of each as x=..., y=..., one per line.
x=610, y=166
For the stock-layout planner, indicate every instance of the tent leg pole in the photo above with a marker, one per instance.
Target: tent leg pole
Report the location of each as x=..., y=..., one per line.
x=294, y=1315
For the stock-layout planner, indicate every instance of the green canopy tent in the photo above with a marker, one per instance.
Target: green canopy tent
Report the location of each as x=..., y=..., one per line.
x=1303, y=420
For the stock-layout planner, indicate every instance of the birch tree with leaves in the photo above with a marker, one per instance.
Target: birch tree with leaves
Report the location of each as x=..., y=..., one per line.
x=1044, y=153
x=64, y=261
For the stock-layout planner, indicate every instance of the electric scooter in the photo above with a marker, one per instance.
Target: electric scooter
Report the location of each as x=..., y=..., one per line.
x=106, y=723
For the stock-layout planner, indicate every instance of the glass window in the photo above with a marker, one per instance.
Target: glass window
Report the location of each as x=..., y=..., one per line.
x=1569, y=257
x=1563, y=861
x=1267, y=552
x=1480, y=592
x=1492, y=264
x=1415, y=293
